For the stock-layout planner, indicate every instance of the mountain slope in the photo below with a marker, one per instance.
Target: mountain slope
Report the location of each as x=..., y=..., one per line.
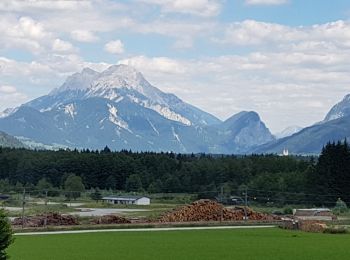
x=243, y=131
x=119, y=108
x=10, y=141
x=341, y=109
x=310, y=140
x=291, y=130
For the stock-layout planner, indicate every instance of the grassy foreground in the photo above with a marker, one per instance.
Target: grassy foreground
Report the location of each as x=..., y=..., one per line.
x=246, y=244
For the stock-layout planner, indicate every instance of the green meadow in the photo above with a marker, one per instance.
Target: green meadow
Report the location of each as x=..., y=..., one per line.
x=243, y=244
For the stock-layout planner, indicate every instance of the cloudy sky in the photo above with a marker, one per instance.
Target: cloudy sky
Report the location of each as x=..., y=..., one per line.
x=289, y=60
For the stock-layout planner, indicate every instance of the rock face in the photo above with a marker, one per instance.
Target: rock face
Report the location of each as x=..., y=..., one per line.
x=120, y=108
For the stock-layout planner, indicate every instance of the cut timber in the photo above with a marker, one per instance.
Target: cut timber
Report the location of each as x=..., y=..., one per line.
x=51, y=219
x=208, y=210
x=111, y=219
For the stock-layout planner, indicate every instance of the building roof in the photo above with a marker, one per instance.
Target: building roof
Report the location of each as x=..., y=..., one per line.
x=124, y=198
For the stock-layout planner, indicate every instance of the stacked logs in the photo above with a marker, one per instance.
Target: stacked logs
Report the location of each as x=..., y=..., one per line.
x=110, y=219
x=312, y=226
x=208, y=210
x=50, y=219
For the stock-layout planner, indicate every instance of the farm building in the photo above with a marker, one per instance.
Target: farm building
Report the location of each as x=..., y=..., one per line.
x=313, y=214
x=127, y=200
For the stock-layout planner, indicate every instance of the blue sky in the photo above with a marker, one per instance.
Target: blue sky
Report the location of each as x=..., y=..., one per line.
x=288, y=60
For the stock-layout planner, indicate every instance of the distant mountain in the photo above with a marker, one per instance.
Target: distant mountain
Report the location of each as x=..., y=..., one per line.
x=10, y=141
x=244, y=131
x=310, y=140
x=341, y=109
x=120, y=108
x=291, y=130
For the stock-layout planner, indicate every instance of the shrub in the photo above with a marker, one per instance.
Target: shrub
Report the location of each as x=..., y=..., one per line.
x=288, y=211
x=340, y=207
x=5, y=235
x=336, y=230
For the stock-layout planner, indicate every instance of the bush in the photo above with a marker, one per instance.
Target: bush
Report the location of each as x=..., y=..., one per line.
x=336, y=230
x=340, y=207
x=288, y=211
x=5, y=235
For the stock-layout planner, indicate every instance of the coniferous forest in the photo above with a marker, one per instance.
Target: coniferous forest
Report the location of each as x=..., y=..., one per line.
x=285, y=179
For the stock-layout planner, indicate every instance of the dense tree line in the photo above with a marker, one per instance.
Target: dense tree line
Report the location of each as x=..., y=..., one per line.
x=330, y=178
x=268, y=177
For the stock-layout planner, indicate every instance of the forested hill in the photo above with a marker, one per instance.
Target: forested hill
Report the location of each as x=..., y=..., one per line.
x=285, y=180
x=152, y=172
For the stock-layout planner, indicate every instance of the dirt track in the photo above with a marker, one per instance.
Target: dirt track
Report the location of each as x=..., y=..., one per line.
x=139, y=230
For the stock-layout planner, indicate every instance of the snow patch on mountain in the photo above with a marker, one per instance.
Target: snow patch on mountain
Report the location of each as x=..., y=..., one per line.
x=7, y=112
x=115, y=119
x=153, y=127
x=167, y=113
x=177, y=138
x=70, y=110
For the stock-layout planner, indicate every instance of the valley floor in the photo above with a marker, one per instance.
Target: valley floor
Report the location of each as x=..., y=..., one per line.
x=269, y=243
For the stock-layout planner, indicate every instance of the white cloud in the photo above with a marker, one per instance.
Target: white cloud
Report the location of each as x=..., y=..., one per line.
x=6, y=89
x=25, y=33
x=251, y=32
x=266, y=2
x=155, y=65
x=42, y=5
x=83, y=36
x=115, y=47
x=9, y=96
x=62, y=46
x=204, y=8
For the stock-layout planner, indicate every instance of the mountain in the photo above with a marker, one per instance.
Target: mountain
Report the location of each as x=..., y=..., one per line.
x=243, y=131
x=118, y=107
x=341, y=109
x=310, y=140
x=10, y=141
x=291, y=130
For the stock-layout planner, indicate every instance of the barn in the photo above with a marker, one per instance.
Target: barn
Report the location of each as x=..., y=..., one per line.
x=127, y=200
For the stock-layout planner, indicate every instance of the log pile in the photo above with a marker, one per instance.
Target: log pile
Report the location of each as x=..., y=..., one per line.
x=208, y=210
x=312, y=226
x=51, y=219
x=111, y=219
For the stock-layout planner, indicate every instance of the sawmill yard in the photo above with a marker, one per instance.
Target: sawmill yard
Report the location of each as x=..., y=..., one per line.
x=263, y=243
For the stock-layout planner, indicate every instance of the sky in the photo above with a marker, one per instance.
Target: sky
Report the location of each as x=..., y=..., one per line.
x=288, y=60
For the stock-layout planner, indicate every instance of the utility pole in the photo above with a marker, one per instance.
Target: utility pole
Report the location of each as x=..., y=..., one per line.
x=45, y=221
x=222, y=201
x=23, y=204
x=246, y=203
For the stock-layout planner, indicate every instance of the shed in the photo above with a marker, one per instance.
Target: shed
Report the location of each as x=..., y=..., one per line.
x=314, y=214
x=127, y=200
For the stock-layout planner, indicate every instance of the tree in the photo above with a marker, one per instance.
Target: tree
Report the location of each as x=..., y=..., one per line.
x=5, y=235
x=43, y=186
x=133, y=183
x=331, y=175
x=96, y=195
x=73, y=186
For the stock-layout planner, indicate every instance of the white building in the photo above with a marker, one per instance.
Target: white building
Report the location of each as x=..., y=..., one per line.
x=127, y=200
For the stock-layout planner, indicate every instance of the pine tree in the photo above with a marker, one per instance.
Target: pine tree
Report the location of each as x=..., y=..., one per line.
x=5, y=235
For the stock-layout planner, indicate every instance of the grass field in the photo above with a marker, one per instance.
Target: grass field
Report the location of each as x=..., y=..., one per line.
x=248, y=244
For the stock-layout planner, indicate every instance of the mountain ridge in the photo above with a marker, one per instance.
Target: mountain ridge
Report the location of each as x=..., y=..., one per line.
x=120, y=108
